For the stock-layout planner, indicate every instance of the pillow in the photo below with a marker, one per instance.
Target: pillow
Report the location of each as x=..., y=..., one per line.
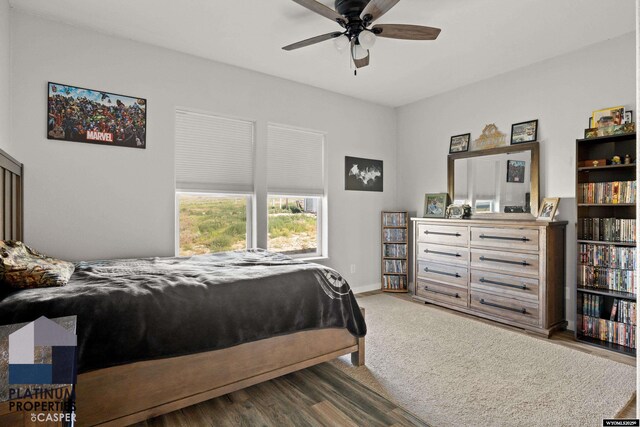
x=24, y=268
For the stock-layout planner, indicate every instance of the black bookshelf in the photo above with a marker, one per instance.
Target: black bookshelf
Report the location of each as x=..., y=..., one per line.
x=607, y=292
x=607, y=242
x=587, y=152
x=608, y=345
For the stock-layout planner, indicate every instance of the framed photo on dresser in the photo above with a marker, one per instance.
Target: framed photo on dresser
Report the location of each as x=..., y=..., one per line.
x=548, y=209
x=435, y=205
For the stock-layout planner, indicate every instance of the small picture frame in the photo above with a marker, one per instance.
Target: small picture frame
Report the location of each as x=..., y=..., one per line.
x=459, y=143
x=515, y=171
x=484, y=206
x=548, y=208
x=628, y=117
x=435, y=205
x=608, y=117
x=524, y=132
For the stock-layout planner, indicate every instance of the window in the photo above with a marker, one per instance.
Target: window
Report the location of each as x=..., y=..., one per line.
x=294, y=225
x=212, y=223
x=296, y=182
x=214, y=183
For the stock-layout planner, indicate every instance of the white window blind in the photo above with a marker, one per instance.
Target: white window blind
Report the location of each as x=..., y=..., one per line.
x=295, y=161
x=213, y=153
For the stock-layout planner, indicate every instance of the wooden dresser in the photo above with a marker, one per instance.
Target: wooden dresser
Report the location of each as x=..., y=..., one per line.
x=508, y=271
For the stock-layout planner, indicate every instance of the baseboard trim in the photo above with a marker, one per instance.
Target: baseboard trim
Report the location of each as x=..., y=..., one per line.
x=365, y=288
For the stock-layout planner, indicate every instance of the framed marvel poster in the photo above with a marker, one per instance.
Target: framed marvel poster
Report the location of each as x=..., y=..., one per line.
x=95, y=117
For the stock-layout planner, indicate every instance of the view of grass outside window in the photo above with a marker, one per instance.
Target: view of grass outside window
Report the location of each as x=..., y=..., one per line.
x=211, y=224
x=293, y=224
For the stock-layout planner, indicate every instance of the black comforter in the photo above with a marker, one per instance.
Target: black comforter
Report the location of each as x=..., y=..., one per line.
x=141, y=309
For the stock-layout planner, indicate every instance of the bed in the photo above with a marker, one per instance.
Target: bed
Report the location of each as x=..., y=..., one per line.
x=159, y=334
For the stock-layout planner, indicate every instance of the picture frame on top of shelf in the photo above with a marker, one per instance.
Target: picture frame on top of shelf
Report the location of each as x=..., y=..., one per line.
x=459, y=143
x=548, y=208
x=628, y=117
x=524, y=132
x=608, y=117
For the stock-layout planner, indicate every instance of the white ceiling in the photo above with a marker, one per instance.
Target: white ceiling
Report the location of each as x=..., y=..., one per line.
x=479, y=39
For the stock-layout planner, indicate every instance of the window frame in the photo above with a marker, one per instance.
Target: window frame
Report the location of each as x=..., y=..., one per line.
x=320, y=247
x=218, y=194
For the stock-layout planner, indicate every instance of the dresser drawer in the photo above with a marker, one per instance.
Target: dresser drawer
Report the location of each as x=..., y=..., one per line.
x=507, y=238
x=443, y=234
x=511, y=286
x=442, y=293
x=507, y=262
x=506, y=308
x=443, y=254
x=450, y=274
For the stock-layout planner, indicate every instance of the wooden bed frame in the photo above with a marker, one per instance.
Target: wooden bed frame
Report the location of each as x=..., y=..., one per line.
x=127, y=394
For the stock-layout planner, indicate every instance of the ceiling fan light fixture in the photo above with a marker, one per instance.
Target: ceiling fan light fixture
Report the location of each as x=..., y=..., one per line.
x=355, y=18
x=367, y=39
x=341, y=42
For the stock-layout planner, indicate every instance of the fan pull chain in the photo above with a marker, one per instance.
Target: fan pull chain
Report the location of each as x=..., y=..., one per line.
x=352, y=62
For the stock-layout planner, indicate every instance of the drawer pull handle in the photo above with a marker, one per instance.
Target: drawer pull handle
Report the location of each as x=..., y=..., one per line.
x=427, y=251
x=504, y=261
x=442, y=234
x=456, y=295
x=444, y=273
x=509, y=285
x=521, y=239
x=517, y=310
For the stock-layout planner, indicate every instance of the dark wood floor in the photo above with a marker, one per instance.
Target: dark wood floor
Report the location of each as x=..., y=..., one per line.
x=318, y=396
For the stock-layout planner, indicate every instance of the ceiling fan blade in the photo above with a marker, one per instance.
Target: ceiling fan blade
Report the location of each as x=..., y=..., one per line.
x=361, y=63
x=376, y=8
x=312, y=40
x=321, y=9
x=406, y=32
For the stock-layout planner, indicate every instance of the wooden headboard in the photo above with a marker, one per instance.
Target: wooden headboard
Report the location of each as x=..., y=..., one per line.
x=11, y=185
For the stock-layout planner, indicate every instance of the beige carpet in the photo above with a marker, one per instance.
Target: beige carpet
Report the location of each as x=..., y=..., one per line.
x=454, y=371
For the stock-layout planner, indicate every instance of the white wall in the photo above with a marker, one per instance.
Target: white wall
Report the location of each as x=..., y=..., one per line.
x=87, y=201
x=5, y=64
x=561, y=93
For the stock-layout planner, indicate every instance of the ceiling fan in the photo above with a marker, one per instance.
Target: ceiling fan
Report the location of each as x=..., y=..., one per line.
x=356, y=17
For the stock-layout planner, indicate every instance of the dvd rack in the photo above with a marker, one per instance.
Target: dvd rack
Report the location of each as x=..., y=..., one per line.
x=395, y=253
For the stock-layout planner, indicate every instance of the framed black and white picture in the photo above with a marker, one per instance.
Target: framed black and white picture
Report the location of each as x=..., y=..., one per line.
x=628, y=116
x=96, y=117
x=515, y=170
x=363, y=174
x=524, y=132
x=459, y=143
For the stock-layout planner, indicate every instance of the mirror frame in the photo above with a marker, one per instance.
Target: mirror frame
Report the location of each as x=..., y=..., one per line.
x=533, y=147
